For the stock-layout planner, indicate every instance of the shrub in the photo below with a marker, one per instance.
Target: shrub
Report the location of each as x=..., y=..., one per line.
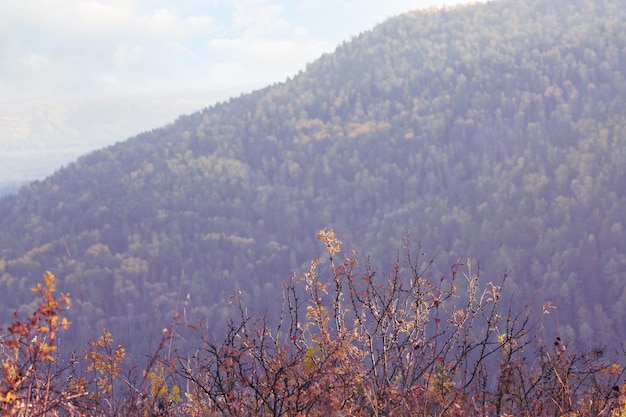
x=348, y=342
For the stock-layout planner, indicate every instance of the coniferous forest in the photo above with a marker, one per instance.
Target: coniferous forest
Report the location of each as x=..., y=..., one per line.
x=490, y=136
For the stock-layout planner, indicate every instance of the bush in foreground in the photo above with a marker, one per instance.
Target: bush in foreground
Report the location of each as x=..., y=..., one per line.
x=347, y=343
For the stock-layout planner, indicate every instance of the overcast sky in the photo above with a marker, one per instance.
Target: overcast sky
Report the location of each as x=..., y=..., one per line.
x=56, y=49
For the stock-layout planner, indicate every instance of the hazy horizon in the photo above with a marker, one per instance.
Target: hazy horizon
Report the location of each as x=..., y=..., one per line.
x=79, y=75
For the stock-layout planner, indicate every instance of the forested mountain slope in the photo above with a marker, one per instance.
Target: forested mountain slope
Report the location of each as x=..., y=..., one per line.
x=494, y=131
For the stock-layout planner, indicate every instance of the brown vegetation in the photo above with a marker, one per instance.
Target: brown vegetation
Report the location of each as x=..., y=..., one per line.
x=348, y=343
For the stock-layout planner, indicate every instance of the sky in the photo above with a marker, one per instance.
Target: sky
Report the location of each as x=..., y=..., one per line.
x=59, y=49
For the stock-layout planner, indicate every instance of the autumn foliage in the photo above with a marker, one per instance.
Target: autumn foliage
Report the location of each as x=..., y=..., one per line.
x=348, y=342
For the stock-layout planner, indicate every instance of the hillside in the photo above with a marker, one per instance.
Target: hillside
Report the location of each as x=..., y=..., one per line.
x=494, y=131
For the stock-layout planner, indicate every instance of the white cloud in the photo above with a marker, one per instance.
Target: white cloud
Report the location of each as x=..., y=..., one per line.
x=261, y=61
x=105, y=79
x=168, y=23
x=69, y=18
x=68, y=47
x=300, y=31
x=259, y=18
x=161, y=22
x=126, y=55
x=198, y=24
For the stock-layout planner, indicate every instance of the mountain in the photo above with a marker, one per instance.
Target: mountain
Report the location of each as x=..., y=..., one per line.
x=40, y=136
x=493, y=131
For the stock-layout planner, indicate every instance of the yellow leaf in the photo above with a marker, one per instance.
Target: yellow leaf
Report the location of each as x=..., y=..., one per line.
x=66, y=299
x=49, y=278
x=8, y=398
x=176, y=394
